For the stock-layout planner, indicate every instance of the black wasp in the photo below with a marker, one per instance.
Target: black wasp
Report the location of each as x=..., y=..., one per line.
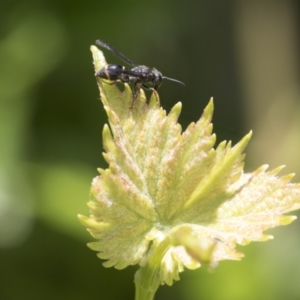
x=139, y=76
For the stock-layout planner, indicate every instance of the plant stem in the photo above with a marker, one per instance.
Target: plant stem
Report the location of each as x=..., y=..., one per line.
x=147, y=279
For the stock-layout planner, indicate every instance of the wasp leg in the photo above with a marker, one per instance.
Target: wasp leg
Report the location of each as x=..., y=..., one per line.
x=135, y=92
x=154, y=92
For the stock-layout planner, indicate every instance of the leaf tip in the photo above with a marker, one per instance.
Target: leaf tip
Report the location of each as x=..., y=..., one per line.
x=209, y=109
x=286, y=220
x=176, y=109
x=98, y=58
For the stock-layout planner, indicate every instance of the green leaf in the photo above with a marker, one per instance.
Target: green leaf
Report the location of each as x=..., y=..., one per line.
x=170, y=199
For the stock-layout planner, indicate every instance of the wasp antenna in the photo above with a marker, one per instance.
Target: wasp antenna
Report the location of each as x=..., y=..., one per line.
x=172, y=79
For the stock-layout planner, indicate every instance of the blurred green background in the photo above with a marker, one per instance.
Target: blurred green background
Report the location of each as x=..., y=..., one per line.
x=243, y=53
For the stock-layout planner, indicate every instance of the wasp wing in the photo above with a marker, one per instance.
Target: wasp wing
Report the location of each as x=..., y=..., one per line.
x=115, y=52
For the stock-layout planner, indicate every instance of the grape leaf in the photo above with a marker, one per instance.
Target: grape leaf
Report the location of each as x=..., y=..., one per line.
x=175, y=191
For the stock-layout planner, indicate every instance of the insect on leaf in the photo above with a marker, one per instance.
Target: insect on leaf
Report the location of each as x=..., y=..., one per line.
x=172, y=199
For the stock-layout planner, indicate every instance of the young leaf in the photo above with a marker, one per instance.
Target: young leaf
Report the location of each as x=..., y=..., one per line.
x=170, y=199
